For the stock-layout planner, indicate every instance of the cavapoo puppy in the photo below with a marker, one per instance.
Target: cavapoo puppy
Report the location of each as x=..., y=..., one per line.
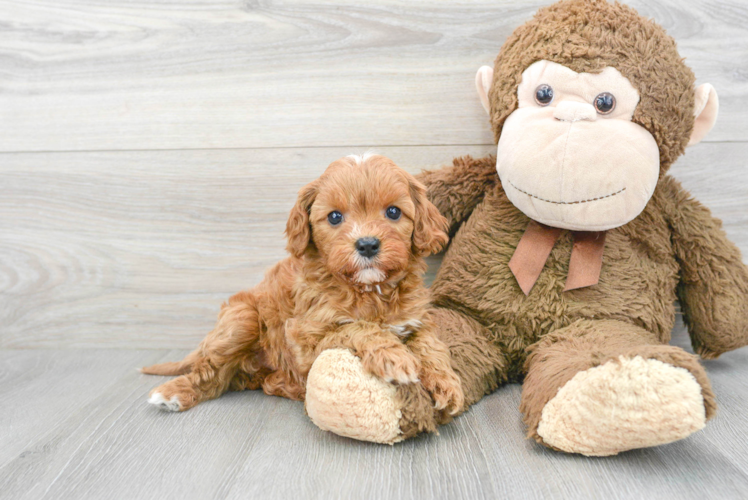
x=357, y=237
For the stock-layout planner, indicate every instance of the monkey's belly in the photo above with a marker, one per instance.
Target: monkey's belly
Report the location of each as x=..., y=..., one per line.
x=475, y=278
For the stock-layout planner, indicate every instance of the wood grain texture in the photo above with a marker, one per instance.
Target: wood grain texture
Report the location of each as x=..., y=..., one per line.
x=76, y=426
x=101, y=75
x=149, y=153
x=139, y=249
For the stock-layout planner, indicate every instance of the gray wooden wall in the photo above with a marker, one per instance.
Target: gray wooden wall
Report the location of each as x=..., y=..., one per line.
x=150, y=150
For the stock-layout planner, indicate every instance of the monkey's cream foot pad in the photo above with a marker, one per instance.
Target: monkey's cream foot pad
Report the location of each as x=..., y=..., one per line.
x=622, y=405
x=342, y=398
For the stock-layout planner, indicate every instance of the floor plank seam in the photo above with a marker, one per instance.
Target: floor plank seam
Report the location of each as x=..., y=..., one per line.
x=270, y=148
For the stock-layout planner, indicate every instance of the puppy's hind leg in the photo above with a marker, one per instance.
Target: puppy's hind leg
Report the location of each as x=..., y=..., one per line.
x=212, y=367
x=206, y=381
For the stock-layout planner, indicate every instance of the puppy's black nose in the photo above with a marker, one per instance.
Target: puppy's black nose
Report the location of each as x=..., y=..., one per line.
x=367, y=247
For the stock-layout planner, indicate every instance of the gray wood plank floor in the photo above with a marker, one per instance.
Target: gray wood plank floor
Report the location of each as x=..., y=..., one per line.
x=76, y=425
x=149, y=153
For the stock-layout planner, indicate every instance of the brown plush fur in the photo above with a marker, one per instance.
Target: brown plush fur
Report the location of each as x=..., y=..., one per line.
x=323, y=296
x=675, y=245
x=673, y=249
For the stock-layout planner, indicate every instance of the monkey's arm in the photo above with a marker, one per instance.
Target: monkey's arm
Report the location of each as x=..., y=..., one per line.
x=457, y=189
x=713, y=289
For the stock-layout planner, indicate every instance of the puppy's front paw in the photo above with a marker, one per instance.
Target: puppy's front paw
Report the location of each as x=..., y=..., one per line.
x=392, y=364
x=174, y=395
x=446, y=390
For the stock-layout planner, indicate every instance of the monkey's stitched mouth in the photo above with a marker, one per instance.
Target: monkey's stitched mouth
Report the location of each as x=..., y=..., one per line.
x=567, y=202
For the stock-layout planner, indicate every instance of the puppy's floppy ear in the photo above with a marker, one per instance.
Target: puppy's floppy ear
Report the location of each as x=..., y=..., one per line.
x=298, y=228
x=429, y=226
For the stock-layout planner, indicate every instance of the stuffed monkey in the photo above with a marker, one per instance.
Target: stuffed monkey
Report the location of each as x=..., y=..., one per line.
x=570, y=247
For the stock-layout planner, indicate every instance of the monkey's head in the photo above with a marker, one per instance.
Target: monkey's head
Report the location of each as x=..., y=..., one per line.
x=590, y=104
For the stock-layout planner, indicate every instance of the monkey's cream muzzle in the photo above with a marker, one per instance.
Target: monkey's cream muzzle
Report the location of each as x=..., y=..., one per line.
x=576, y=173
x=566, y=165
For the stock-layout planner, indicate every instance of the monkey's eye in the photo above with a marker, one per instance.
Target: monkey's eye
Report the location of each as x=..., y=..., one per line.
x=393, y=213
x=544, y=95
x=334, y=218
x=605, y=103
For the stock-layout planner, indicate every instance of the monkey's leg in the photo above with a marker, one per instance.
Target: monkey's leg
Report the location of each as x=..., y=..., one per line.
x=602, y=387
x=221, y=355
x=341, y=397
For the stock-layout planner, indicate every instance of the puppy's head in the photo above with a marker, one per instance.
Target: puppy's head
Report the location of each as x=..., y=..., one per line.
x=367, y=218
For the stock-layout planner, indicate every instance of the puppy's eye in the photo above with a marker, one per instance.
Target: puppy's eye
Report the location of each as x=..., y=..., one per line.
x=544, y=95
x=393, y=213
x=334, y=218
x=605, y=103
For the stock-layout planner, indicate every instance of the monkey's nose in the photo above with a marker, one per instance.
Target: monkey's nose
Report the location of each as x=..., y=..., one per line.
x=368, y=246
x=572, y=111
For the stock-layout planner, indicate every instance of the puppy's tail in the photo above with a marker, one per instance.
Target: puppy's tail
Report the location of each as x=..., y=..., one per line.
x=172, y=367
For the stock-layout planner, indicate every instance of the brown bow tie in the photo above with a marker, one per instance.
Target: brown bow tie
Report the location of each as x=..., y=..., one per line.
x=536, y=245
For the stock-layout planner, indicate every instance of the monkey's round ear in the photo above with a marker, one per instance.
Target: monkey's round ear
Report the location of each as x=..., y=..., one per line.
x=298, y=229
x=706, y=107
x=483, y=79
